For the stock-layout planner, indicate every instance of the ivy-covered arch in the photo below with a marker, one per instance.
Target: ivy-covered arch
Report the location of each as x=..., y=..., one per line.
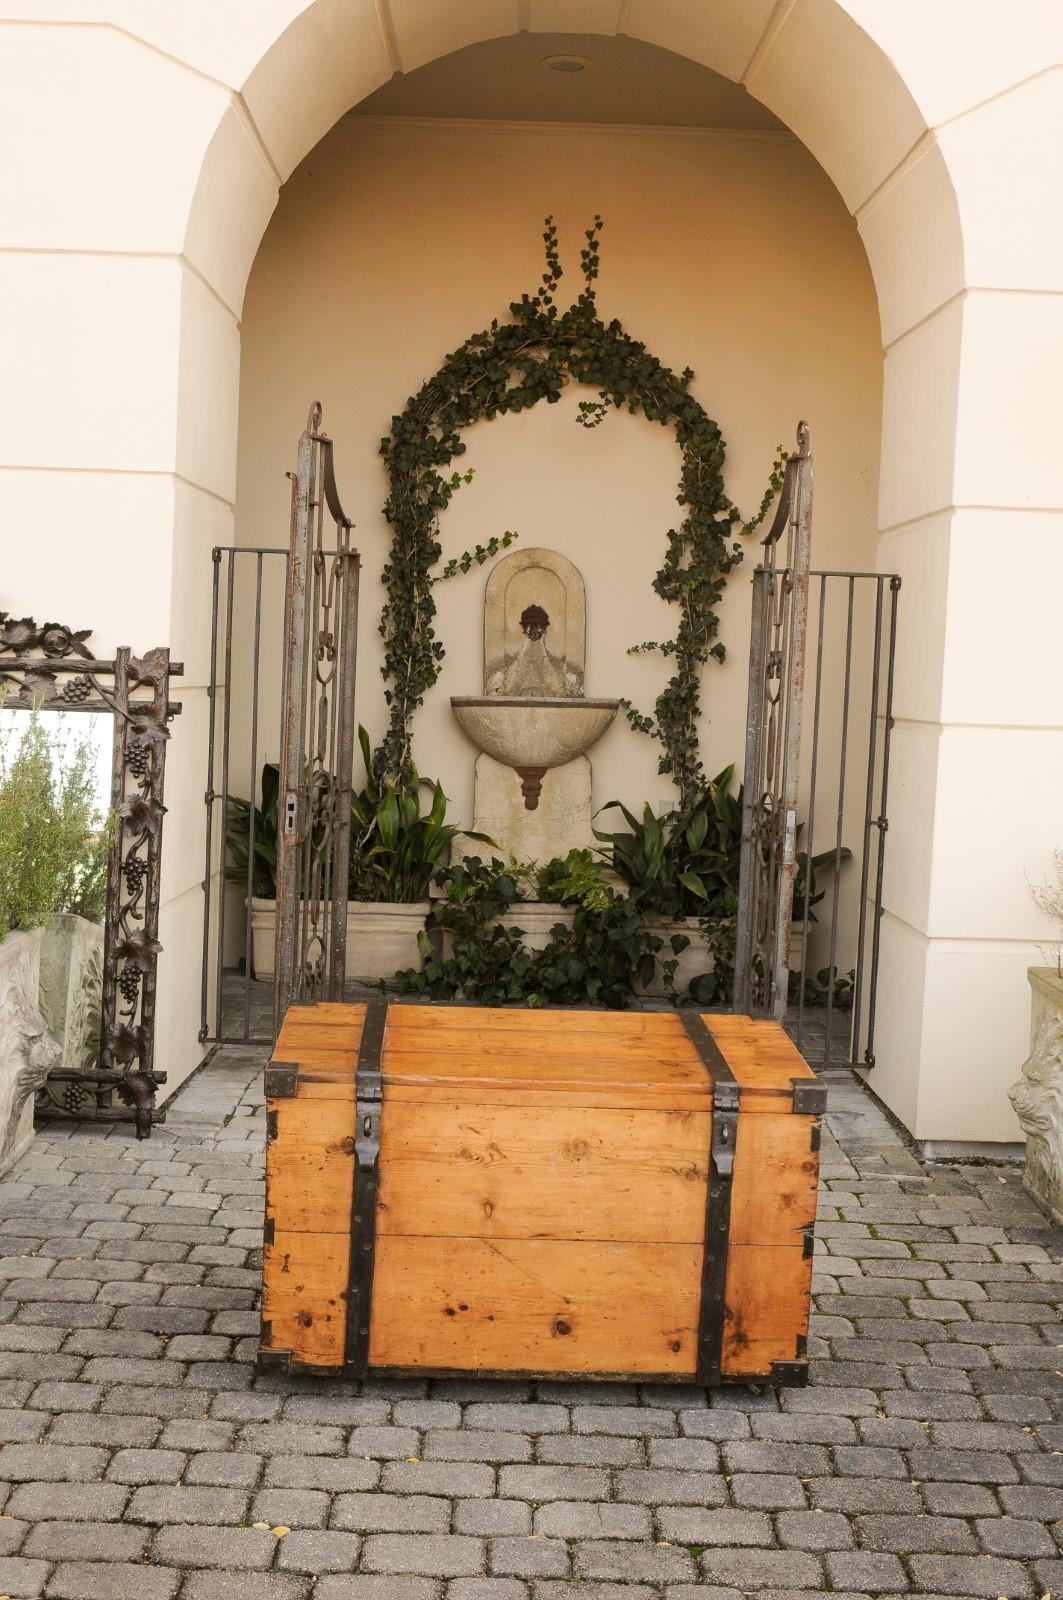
x=511, y=366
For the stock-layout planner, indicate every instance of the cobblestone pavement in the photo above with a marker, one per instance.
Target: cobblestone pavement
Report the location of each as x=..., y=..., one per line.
x=145, y=1459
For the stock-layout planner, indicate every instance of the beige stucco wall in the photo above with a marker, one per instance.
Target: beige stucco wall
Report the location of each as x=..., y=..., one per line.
x=732, y=254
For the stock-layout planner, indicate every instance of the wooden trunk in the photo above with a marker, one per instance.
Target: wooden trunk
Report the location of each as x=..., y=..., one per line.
x=564, y=1193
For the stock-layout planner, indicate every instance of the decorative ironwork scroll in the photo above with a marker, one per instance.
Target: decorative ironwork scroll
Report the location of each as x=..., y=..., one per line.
x=317, y=733
x=773, y=747
x=50, y=666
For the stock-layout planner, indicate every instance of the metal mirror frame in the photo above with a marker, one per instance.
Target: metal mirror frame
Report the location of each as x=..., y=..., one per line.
x=50, y=666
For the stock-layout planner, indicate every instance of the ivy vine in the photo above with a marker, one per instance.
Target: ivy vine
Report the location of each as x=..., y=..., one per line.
x=510, y=367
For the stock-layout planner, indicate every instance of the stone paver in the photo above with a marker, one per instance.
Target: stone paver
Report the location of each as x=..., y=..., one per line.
x=141, y=1455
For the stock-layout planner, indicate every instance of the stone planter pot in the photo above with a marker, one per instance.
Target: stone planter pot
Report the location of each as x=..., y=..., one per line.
x=535, y=918
x=27, y=1050
x=381, y=937
x=1038, y=1095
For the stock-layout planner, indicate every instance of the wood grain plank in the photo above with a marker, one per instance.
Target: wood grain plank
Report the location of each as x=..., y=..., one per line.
x=545, y=1172
x=424, y=1091
x=535, y=1305
x=304, y=1279
x=760, y=1054
x=550, y=1068
x=767, y=1301
x=540, y=1021
x=773, y=1194
x=310, y=1165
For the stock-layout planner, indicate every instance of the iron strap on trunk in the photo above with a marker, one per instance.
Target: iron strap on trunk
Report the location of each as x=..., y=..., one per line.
x=712, y=1315
x=368, y=1099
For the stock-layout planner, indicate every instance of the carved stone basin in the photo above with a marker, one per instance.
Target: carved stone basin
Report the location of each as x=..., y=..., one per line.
x=531, y=735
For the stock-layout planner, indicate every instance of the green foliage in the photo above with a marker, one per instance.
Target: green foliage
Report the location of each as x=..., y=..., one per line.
x=510, y=367
x=806, y=892
x=685, y=863
x=601, y=959
x=827, y=983
x=53, y=840
x=238, y=838
x=406, y=846
x=574, y=879
x=395, y=846
x=719, y=929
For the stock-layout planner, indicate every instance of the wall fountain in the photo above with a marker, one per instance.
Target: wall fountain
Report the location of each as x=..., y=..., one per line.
x=533, y=723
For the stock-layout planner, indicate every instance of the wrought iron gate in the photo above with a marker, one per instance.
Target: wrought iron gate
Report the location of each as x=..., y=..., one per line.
x=823, y=982
x=317, y=735
x=287, y=856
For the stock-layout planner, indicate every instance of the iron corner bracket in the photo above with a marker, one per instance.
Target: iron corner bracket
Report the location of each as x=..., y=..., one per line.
x=281, y=1080
x=810, y=1097
x=278, y=1362
x=790, y=1374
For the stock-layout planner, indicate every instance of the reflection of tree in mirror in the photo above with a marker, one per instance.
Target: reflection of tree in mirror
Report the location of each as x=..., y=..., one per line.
x=53, y=838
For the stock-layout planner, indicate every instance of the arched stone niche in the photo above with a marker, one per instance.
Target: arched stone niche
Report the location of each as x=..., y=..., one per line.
x=535, y=625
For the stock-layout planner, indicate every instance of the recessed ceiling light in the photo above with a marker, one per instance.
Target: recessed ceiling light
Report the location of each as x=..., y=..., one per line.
x=567, y=63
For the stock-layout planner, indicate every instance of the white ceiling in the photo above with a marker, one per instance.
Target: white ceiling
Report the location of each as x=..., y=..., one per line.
x=627, y=82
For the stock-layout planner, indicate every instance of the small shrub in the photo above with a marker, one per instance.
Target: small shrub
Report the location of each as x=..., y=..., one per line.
x=53, y=840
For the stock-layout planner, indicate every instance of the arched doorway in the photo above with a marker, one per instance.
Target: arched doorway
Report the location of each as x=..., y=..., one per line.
x=209, y=114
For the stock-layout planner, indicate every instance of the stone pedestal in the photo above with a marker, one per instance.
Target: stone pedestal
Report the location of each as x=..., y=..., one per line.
x=561, y=821
x=1038, y=1095
x=27, y=1050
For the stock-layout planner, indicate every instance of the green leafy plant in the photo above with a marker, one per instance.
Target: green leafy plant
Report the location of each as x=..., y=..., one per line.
x=683, y=863
x=806, y=892
x=53, y=839
x=395, y=846
x=574, y=879
x=826, y=984
x=407, y=845
x=602, y=958
x=238, y=838
x=510, y=367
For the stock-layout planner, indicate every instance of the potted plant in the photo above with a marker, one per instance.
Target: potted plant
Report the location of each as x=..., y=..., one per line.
x=679, y=870
x=53, y=881
x=395, y=849
x=1038, y=1095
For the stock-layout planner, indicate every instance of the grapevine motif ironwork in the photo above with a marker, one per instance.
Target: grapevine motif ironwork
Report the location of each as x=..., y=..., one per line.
x=50, y=666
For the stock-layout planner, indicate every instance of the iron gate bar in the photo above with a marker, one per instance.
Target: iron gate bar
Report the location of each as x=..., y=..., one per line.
x=876, y=787
x=208, y=799
x=832, y=964
x=869, y=796
x=809, y=852
x=252, y=821
x=226, y=732
x=227, y=1012
x=881, y=822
